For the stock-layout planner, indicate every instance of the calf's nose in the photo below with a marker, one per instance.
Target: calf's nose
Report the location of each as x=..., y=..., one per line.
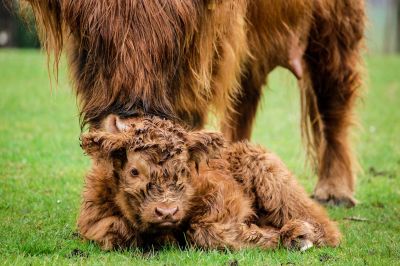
x=166, y=213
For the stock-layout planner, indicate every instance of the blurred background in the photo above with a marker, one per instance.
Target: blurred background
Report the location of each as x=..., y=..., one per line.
x=383, y=33
x=15, y=31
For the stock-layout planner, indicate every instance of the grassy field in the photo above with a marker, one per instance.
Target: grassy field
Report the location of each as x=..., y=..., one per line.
x=42, y=169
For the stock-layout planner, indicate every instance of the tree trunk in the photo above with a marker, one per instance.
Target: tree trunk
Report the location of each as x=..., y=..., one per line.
x=7, y=26
x=398, y=27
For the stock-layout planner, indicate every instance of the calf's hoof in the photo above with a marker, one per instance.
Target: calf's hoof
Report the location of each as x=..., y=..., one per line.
x=298, y=235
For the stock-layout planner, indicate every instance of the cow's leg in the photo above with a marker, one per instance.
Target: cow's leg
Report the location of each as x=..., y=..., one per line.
x=333, y=62
x=237, y=123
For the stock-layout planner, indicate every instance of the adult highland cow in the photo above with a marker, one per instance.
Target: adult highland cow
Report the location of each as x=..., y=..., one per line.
x=179, y=59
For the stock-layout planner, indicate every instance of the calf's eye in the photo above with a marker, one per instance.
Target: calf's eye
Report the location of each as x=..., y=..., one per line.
x=134, y=172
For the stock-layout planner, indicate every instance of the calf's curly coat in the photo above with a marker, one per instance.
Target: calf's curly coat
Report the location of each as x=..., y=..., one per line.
x=154, y=182
x=179, y=59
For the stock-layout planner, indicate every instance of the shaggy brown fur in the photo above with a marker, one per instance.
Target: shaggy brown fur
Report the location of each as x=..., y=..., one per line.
x=179, y=59
x=151, y=184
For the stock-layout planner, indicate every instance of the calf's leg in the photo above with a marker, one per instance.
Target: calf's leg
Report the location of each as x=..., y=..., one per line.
x=233, y=236
x=280, y=201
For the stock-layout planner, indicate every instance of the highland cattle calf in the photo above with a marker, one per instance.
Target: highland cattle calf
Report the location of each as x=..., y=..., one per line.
x=153, y=182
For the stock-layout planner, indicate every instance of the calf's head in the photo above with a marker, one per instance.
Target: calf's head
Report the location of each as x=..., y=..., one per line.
x=154, y=162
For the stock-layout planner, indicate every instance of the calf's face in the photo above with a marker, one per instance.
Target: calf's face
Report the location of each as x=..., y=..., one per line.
x=154, y=163
x=155, y=193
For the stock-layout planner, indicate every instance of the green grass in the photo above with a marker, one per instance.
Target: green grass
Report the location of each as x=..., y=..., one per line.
x=42, y=169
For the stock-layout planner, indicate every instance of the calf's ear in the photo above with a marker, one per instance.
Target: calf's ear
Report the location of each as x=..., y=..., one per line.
x=203, y=144
x=103, y=144
x=115, y=124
